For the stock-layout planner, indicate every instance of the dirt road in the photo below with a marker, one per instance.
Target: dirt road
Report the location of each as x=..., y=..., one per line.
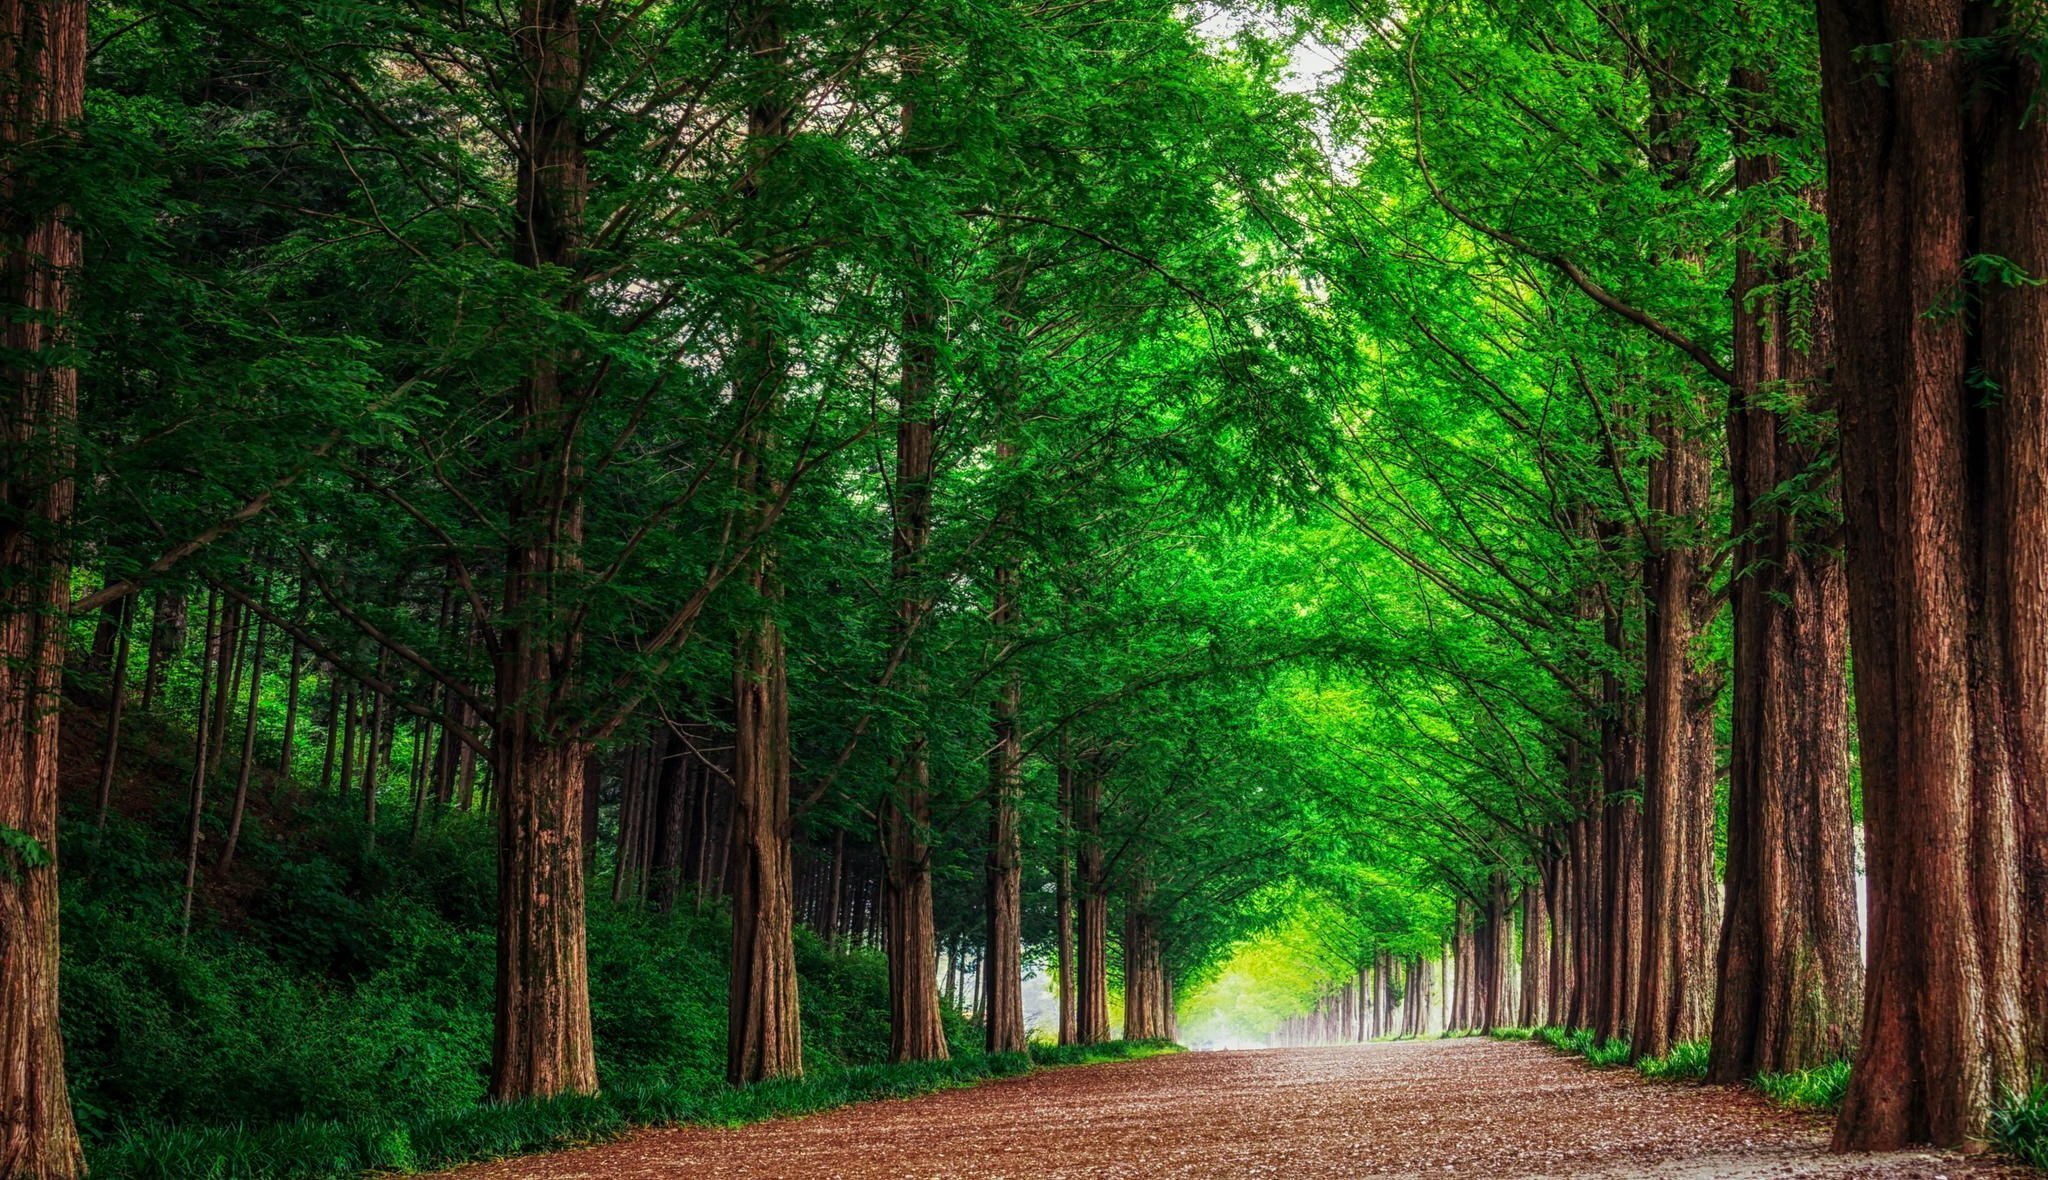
x=1429, y=1108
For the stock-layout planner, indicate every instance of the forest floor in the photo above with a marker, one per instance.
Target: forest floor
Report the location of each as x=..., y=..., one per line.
x=1456, y=1107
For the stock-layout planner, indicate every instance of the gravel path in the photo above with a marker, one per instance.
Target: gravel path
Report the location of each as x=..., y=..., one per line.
x=1427, y=1108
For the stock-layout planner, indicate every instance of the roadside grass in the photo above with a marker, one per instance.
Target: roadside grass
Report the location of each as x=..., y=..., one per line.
x=2020, y=1127
x=1686, y=1062
x=333, y=1150
x=1820, y=1088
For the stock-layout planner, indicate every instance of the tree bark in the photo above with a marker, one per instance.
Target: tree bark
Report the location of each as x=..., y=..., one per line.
x=1790, y=973
x=1938, y=217
x=1091, y=1000
x=1674, y=976
x=1003, y=1001
x=42, y=93
x=916, y=1033
x=542, y=1044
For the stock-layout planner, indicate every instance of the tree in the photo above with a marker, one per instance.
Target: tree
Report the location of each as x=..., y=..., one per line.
x=1937, y=173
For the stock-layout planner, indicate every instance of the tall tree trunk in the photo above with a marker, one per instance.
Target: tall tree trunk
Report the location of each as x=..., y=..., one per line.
x=1063, y=900
x=202, y=734
x=42, y=94
x=1674, y=976
x=915, y=1030
x=764, y=1036
x=1003, y=1003
x=1146, y=1010
x=247, y=763
x=1938, y=218
x=542, y=1043
x=1091, y=1001
x=117, y=704
x=1790, y=974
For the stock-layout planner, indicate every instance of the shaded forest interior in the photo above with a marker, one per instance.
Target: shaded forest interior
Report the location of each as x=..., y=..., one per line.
x=583, y=563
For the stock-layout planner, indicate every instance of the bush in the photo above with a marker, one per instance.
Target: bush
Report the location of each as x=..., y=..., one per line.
x=2020, y=1127
x=1820, y=1088
x=1513, y=1034
x=332, y=1005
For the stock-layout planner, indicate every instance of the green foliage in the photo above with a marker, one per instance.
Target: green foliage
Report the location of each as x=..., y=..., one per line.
x=1581, y=1043
x=2020, y=1126
x=1514, y=1034
x=1687, y=1062
x=343, y=1012
x=1819, y=1088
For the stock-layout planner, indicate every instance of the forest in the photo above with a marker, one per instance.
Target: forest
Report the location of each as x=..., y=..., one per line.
x=578, y=564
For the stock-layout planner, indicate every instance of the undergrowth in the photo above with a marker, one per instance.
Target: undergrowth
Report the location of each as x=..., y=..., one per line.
x=1687, y=1062
x=1819, y=1088
x=2020, y=1127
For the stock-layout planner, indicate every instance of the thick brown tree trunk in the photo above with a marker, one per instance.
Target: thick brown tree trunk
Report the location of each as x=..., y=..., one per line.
x=1674, y=976
x=1790, y=974
x=1146, y=1011
x=42, y=94
x=1938, y=216
x=543, y=1042
x=764, y=1033
x=915, y=1030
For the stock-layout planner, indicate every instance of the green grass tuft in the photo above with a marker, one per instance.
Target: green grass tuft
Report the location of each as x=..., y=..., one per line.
x=2020, y=1127
x=1819, y=1088
x=1513, y=1034
x=1686, y=1062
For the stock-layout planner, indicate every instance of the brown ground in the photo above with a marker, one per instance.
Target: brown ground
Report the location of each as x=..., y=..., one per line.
x=1439, y=1108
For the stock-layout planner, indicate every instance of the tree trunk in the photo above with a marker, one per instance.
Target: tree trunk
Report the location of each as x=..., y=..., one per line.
x=1091, y=1001
x=916, y=1033
x=117, y=704
x=42, y=91
x=542, y=1043
x=1938, y=217
x=1063, y=902
x=202, y=733
x=1790, y=973
x=247, y=764
x=764, y=1035
x=1674, y=966
x=1146, y=1012
x=1003, y=1003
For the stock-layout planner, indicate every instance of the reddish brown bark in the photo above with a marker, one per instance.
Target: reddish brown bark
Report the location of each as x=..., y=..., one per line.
x=1148, y=1009
x=543, y=1043
x=764, y=1032
x=1091, y=968
x=1937, y=206
x=1674, y=976
x=1003, y=973
x=1789, y=968
x=42, y=93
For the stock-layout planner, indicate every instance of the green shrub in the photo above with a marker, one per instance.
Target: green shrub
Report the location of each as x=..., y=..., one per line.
x=2020, y=1126
x=1513, y=1034
x=340, y=1013
x=1820, y=1088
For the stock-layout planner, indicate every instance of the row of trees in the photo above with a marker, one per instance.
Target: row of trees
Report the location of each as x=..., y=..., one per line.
x=1040, y=481
x=741, y=439
x=1714, y=328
